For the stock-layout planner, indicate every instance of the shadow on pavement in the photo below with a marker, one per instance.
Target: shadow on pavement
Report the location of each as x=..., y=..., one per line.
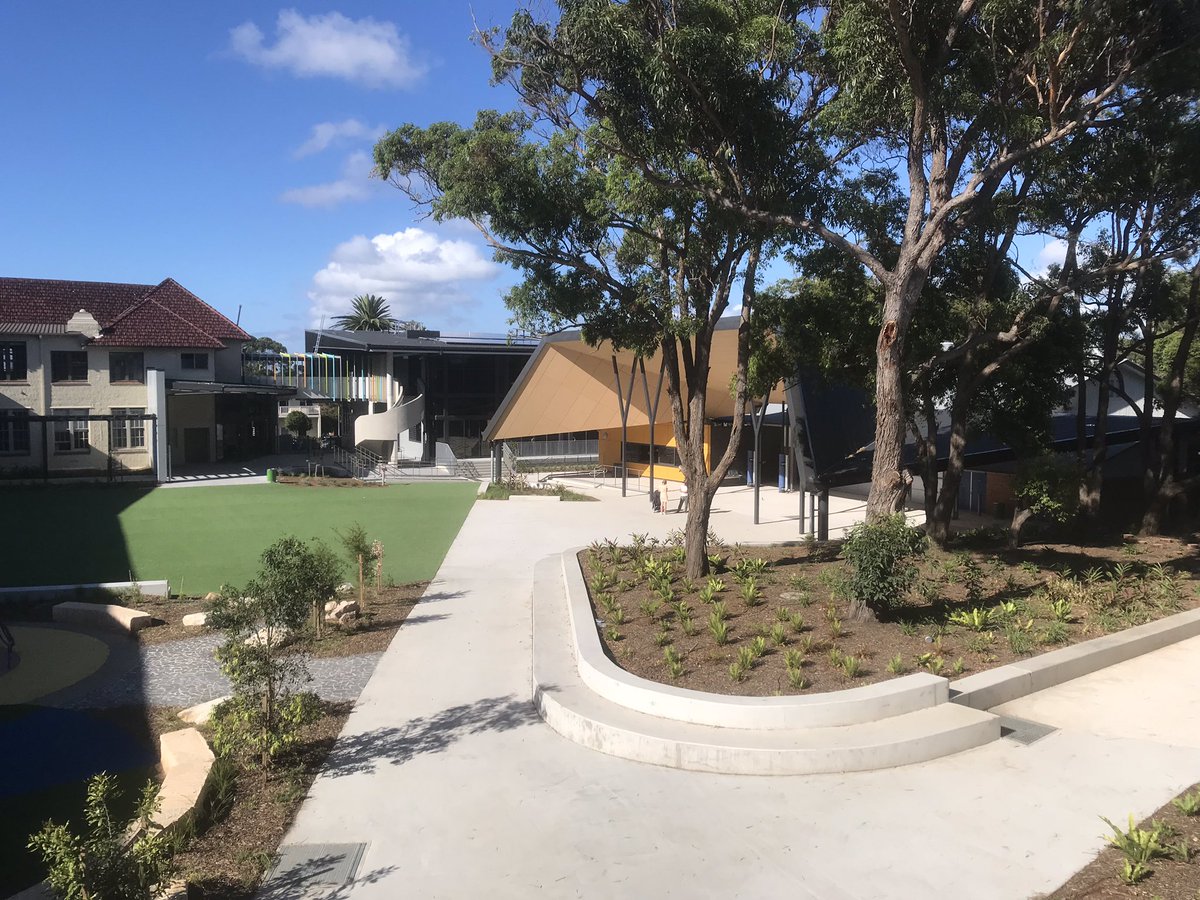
x=360, y=753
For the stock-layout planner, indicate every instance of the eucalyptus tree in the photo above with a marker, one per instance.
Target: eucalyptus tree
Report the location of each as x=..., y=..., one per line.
x=946, y=97
x=600, y=247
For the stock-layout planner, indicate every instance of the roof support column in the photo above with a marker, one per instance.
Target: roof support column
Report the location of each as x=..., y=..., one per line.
x=156, y=405
x=756, y=420
x=624, y=402
x=652, y=408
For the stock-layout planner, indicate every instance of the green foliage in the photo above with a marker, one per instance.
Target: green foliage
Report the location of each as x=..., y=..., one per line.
x=896, y=665
x=751, y=592
x=719, y=629
x=778, y=634
x=368, y=312
x=1047, y=487
x=977, y=619
x=1188, y=804
x=240, y=725
x=796, y=679
x=294, y=579
x=758, y=646
x=1139, y=846
x=881, y=557
x=298, y=423
x=97, y=863
x=851, y=666
x=674, y=662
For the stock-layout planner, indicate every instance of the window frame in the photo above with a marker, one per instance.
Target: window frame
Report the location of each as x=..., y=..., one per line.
x=70, y=366
x=11, y=421
x=128, y=354
x=125, y=431
x=8, y=362
x=71, y=429
x=194, y=356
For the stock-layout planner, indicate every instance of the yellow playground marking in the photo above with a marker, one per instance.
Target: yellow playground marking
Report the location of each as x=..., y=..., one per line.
x=50, y=660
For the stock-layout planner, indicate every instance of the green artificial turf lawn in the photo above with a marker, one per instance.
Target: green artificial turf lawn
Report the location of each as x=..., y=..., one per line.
x=202, y=537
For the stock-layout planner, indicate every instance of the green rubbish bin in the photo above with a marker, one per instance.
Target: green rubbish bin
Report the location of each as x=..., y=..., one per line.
x=270, y=476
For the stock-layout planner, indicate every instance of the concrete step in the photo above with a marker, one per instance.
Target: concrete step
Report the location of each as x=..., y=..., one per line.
x=584, y=717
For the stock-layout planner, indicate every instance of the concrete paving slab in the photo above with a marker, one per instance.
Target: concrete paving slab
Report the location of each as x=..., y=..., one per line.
x=460, y=791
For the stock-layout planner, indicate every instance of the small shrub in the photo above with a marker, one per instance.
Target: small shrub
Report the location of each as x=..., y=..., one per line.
x=797, y=623
x=881, y=557
x=673, y=660
x=737, y=672
x=835, y=657
x=835, y=628
x=613, y=634
x=796, y=679
x=896, y=665
x=663, y=638
x=719, y=629
x=852, y=666
x=977, y=619
x=778, y=634
x=616, y=615
x=758, y=646
x=719, y=610
x=97, y=863
x=958, y=666
x=1188, y=804
x=751, y=592
x=688, y=624
x=936, y=665
x=1060, y=609
x=793, y=659
x=807, y=643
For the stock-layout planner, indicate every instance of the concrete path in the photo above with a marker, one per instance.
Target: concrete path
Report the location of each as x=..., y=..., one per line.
x=459, y=791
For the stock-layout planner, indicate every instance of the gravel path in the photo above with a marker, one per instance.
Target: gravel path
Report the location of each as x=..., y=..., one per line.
x=184, y=673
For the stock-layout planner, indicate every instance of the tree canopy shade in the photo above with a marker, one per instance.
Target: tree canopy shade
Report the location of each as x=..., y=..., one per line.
x=879, y=129
x=368, y=312
x=264, y=345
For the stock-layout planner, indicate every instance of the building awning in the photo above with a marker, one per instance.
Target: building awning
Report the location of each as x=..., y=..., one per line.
x=568, y=386
x=176, y=387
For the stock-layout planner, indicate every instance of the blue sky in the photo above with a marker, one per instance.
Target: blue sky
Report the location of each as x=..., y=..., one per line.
x=227, y=145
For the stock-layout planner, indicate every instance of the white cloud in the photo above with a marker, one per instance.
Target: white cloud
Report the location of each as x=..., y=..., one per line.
x=325, y=134
x=420, y=274
x=355, y=184
x=1053, y=253
x=365, y=51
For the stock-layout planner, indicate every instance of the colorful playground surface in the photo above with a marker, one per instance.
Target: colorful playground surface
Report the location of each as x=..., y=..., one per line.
x=48, y=750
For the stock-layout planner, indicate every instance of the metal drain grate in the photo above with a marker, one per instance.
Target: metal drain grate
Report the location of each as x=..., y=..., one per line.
x=301, y=865
x=1023, y=731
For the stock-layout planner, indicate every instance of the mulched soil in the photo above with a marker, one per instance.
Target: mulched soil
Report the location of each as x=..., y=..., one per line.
x=1171, y=879
x=323, y=481
x=229, y=857
x=1108, y=587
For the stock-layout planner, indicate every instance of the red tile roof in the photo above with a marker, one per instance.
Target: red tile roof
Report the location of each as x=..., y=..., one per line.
x=130, y=315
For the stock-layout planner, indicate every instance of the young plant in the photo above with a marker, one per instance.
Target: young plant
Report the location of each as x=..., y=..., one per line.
x=758, y=646
x=977, y=619
x=688, y=624
x=797, y=623
x=909, y=628
x=958, y=666
x=1019, y=640
x=852, y=666
x=783, y=614
x=807, y=643
x=1188, y=804
x=616, y=615
x=102, y=862
x=778, y=634
x=747, y=658
x=650, y=607
x=896, y=665
x=936, y=665
x=737, y=671
x=719, y=629
x=613, y=634
x=1056, y=632
x=835, y=657
x=1060, y=609
x=796, y=679
x=293, y=579
x=881, y=561
x=674, y=661
x=751, y=592
x=719, y=610
x=793, y=659
x=835, y=628
x=663, y=638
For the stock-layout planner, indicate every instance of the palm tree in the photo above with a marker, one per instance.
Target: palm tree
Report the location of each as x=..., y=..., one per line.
x=367, y=313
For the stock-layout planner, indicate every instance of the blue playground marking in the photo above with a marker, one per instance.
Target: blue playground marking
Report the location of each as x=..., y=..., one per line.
x=46, y=747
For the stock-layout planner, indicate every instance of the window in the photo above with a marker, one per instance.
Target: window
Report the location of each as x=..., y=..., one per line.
x=126, y=366
x=14, y=432
x=13, y=365
x=68, y=365
x=194, y=361
x=70, y=435
x=129, y=434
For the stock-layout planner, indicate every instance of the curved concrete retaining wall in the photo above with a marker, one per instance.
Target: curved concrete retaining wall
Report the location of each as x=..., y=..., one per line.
x=852, y=706
x=1000, y=685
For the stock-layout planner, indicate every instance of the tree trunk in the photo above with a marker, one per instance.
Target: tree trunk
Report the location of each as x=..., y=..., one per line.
x=929, y=479
x=695, y=536
x=1020, y=517
x=939, y=528
x=1165, y=487
x=889, y=483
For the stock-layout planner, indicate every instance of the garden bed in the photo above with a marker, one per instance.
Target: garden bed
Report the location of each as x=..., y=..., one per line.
x=1175, y=873
x=776, y=621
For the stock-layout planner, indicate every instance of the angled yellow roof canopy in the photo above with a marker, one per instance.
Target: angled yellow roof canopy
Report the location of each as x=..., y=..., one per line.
x=569, y=386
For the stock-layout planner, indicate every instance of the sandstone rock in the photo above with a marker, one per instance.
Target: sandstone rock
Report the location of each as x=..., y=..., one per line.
x=201, y=712
x=260, y=637
x=211, y=596
x=346, y=606
x=346, y=588
x=195, y=620
x=329, y=607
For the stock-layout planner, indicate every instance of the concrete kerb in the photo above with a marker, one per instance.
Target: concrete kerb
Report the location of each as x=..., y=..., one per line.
x=1000, y=685
x=852, y=706
x=155, y=588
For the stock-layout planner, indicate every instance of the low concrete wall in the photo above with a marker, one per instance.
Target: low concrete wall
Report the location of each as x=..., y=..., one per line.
x=852, y=706
x=1000, y=685
x=158, y=588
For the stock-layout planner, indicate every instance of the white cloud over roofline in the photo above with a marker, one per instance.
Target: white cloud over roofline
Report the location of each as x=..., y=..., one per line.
x=423, y=276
